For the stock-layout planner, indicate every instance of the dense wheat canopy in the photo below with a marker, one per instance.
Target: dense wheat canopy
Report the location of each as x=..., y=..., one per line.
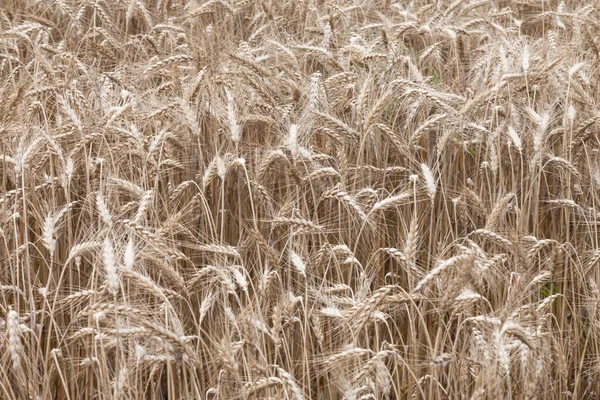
x=299, y=199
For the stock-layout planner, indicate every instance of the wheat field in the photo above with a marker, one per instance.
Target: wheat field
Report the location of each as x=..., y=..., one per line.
x=299, y=199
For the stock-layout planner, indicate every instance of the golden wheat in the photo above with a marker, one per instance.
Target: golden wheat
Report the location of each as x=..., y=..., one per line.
x=299, y=199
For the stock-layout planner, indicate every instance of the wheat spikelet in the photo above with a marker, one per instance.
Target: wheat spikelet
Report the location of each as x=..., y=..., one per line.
x=426, y=126
x=396, y=253
x=517, y=331
x=110, y=267
x=338, y=124
x=346, y=199
x=390, y=202
x=535, y=249
x=178, y=58
x=430, y=183
x=80, y=249
x=145, y=283
x=127, y=186
x=290, y=383
x=350, y=353
x=103, y=209
x=298, y=263
x=47, y=235
x=234, y=127
x=493, y=237
x=362, y=312
x=297, y=222
x=369, y=365
x=144, y=202
x=499, y=209
x=411, y=242
x=434, y=273
x=322, y=173
x=79, y=295
x=262, y=384
x=566, y=165
x=563, y=203
x=153, y=239
x=13, y=332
